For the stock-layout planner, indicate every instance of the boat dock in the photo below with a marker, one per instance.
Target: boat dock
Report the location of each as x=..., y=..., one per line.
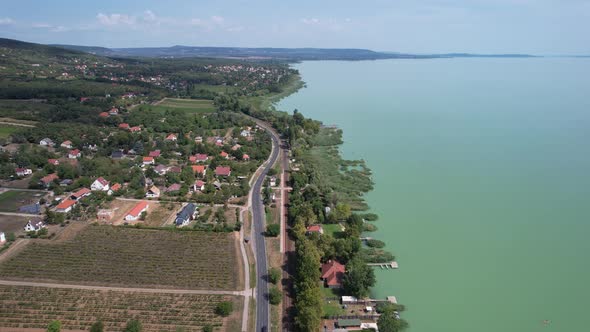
x=390, y=265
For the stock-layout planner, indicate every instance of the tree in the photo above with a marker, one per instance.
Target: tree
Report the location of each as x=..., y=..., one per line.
x=389, y=321
x=133, y=326
x=54, y=326
x=98, y=326
x=274, y=275
x=224, y=308
x=359, y=277
x=208, y=328
x=143, y=215
x=274, y=295
x=273, y=230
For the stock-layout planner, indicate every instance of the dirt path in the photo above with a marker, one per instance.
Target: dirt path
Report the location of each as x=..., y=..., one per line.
x=16, y=124
x=121, y=289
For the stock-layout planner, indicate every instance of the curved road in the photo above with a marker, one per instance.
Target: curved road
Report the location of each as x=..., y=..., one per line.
x=259, y=221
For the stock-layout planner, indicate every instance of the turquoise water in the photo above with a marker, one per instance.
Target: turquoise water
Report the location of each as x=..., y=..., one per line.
x=482, y=171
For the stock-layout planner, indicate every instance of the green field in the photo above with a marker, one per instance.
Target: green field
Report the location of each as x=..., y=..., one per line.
x=118, y=256
x=333, y=229
x=6, y=130
x=187, y=105
x=11, y=200
x=34, y=307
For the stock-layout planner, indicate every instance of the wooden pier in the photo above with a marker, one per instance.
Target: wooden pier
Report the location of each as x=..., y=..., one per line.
x=390, y=265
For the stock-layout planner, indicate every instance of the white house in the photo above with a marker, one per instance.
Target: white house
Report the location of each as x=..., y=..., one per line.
x=273, y=181
x=23, y=171
x=100, y=184
x=46, y=142
x=34, y=225
x=136, y=212
x=73, y=154
x=153, y=192
x=67, y=144
x=2, y=238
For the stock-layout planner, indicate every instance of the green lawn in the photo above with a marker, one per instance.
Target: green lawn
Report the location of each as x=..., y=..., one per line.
x=332, y=229
x=188, y=105
x=331, y=302
x=6, y=130
x=11, y=200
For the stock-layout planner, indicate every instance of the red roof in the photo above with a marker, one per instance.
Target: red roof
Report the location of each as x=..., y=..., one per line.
x=134, y=129
x=74, y=152
x=223, y=154
x=315, y=228
x=53, y=161
x=138, y=209
x=174, y=187
x=333, y=272
x=102, y=181
x=80, y=193
x=155, y=153
x=246, y=157
x=200, y=183
x=49, y=178
x=66, y=203
x=116, y=187
x=198, y=168
x=171, y=137
x=148, y=159
x=223, y=170
x=201, y=157
x=124, y=126
x=104, y=115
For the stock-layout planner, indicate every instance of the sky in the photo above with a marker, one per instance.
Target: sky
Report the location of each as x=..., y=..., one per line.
x=544, y=27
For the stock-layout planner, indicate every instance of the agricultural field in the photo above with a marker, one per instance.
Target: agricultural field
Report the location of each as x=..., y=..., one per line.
x=11, y=200
x=132, y=257
x=187, y=105
x=12, y=224
x=6, y=130
x=77, y=309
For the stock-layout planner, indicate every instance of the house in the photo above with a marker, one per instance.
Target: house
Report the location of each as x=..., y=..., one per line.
x=66, y=144
x=53, y=162
x=30, y=209
x=223, y=171
x=153, y=192
x=103, y=114
x=200, y=157
x=65, y=206
x=172, y=137
x=34, y=225
x=173, y=188
x=135, y=129
x=245, y=157
x=198, y=139
x=155, y=153
x=83, y=99
x=219, y=142
x=349, y=324
x=245, y=133
x=199, y=169
x=148, y=160
x=48, y=179
x=199, y=185
x=314, y=229
x=124, y=126
x=114, y=188
x=188, y=213
x=23, y=171
x=2, y=238
x=73, y=154
x=136, y=212
x=332, y=274
x=100, y=184
x=273, y=181
x=175, y=169
x=84, y=192
x=224, y=155
x=47, y=142
x=114, y=111
x=236, y=147
x=105, y=214
x=66, y=182
x=161, y=169
x=117, y=155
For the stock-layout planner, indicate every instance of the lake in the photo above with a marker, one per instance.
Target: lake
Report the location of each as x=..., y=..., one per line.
x=482, y=173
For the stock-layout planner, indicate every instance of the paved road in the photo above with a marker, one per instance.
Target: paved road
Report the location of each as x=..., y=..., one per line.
x=259, y=221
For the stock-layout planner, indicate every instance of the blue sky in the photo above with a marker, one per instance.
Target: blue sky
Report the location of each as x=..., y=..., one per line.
x=419, y=26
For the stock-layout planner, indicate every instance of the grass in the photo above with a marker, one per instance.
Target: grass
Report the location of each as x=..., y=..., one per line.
x=34, y=307
x=187, y=105
x=333, y=229
x=11, y=200
x=331, y=303
x=6, y=130
x=107, y=255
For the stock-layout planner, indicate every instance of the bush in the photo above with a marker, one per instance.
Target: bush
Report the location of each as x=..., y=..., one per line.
x=207, y=328
x=224, y=309
x=133, y=326
x=273, y=230
x=274, y=275
x=274, y=296
x=54, y=326
x=375, y=243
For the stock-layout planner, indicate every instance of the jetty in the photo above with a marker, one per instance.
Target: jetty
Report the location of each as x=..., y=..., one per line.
x=389, y=265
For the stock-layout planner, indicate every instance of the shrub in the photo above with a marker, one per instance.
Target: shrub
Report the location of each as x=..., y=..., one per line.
x=274, y=275
x=274, y=296
x=54, y=326
x=375, y=243
x=224, y=308
x=273, y=230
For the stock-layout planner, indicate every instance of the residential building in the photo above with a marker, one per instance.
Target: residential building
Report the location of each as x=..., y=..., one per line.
x=136, y=212
x=314, y=229
x=332, y=274
x=66, y=182
x=84, y=192
x=104, y=115
x=199, y=169
x=135, y=129
x=53, y=162
x=148, y=160
x=66, y=144
x=47, y=142
x=65, y=206
x=117, y=155
x=34, y=225
x=114, y=188
x=223, y=171
x=173, y=188
x=200, y=157
x=153, y=192
x=48, y=179
x=23, y=171
x=245, y=157
x=161, y=169
x=124, y=126
x=114, y=111
x=100, y=184
x=105, y=214
x=199, y=185
x=224, y=155
x=2, y=238
x=273, y=181
x=74, y=154
x=155, y=153
x=188, y=213
x=172, y=137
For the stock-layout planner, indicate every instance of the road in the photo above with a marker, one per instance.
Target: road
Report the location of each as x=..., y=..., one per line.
x=259, y=222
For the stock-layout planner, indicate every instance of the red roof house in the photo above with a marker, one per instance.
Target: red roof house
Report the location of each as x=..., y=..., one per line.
x=81, y=193
x=155, y=153
x=135, y=129
x=171, y=137
x=148, y=160
x=46, y=180
x=201, y=157
x=245, y=157
x=124, y=126
x=314, y=229
x=73, y=154
x=199, y=169
x=223, y=171
x=65, y=206
x=332, y=274
x=224, y=154
x=104, y=115
x=136, y=211
x=53, y=162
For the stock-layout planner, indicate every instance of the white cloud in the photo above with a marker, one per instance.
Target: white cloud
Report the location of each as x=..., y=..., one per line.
x=6, y=21
x=42, y=26
x=149, y=16
x=116, y=19
x=311, y=21
x=235, y=29
x=50, y=27
x=217, y=20
x=211, y=23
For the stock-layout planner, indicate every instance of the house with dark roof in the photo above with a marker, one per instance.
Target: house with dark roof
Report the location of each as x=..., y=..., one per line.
x=188, y=213
x=117, y=155
x=173, y=188
x=332, y=274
